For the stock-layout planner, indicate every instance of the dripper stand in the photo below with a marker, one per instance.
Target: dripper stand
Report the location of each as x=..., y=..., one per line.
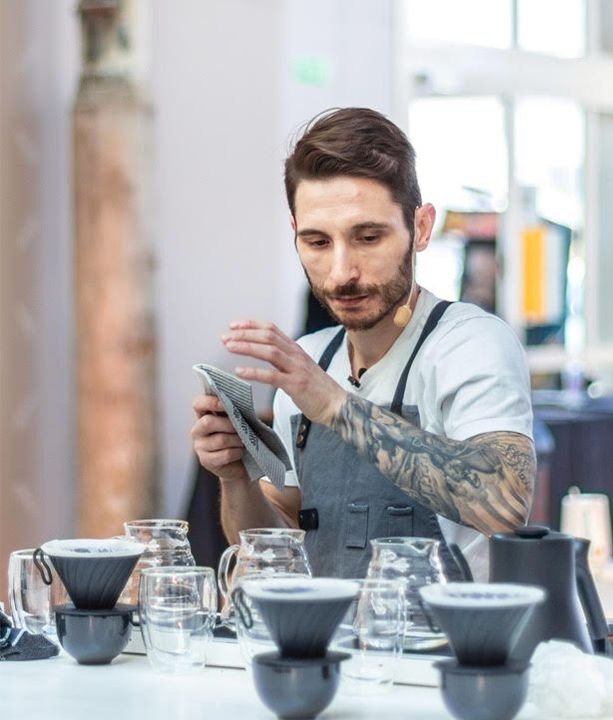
x=301, y=614
x=483, y=623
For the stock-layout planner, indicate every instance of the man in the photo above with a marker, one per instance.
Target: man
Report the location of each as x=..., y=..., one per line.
x=413, y=417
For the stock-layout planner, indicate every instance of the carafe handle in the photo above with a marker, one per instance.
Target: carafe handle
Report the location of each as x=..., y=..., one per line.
x=223, y=571
x=588, y=594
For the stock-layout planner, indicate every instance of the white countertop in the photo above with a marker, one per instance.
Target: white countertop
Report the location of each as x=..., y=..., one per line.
x=60, y=689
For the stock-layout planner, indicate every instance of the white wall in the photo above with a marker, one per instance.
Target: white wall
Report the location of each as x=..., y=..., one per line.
x=226, y=101
x=37, y=66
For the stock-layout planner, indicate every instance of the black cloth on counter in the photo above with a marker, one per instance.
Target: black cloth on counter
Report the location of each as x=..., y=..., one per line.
x=18, y=644
x=583, y=447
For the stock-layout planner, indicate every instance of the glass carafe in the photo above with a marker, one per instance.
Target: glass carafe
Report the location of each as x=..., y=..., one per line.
x=277, y=552
x=414, y=562
x=165, y=543
x=265, y=551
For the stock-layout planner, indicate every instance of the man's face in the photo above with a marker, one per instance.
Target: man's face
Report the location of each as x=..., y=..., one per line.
x=354, y=247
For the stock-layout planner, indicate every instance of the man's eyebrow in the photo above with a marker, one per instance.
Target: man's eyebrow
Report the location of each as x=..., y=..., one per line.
x=310, y=231
x=359, y=227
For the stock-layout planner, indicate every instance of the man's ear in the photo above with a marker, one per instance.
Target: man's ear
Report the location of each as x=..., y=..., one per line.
x=292, y=223
x=425, y=215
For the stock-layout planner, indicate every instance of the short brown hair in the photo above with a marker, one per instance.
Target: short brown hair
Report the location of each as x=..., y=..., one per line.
x=357, y=142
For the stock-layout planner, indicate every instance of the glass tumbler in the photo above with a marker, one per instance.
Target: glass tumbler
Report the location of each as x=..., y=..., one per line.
x=372, y=633
x=31, y=601
x=177, y=612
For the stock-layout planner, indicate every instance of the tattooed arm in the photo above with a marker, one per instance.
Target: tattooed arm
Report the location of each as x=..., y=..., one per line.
x=485, y=482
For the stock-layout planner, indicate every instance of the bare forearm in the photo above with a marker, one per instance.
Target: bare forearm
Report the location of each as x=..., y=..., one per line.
x=485, y=482
x=244, y=506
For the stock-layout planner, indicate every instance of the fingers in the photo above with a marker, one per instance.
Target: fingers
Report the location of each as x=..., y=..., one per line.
x=209, y=424
x=217, y=441
x=267, y=333
x=263, y=375
x=269, y=353
x=261, y=341
x=203, y=404
x=217, y=462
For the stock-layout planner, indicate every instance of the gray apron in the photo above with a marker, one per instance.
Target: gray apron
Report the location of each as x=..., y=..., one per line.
x=346, y=502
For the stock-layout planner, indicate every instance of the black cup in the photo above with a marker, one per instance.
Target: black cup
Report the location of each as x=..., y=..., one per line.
x=494, y=692
x=94, y=637
x=297, y=687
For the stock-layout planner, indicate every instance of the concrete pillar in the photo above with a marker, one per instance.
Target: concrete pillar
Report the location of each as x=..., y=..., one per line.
x=114, y=304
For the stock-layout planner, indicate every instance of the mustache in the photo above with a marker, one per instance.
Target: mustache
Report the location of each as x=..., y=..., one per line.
x=350, y=290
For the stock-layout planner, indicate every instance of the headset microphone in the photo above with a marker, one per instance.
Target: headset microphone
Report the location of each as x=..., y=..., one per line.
x=403, y=315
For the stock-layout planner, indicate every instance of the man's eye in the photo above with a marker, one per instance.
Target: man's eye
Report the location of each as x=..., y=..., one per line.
x=321, y=242
x=370, y=238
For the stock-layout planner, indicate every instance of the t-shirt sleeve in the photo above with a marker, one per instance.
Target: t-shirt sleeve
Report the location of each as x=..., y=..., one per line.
x=481, y=379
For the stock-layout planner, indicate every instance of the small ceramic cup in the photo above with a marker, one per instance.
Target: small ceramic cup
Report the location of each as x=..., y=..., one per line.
x=494, y=692
x=297, y=687
x=94, y=637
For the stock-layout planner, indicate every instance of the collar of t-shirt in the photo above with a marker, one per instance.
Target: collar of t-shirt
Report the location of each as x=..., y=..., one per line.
x=398, y=354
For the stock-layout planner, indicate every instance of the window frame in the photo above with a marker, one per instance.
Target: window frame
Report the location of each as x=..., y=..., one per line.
x=426, y=69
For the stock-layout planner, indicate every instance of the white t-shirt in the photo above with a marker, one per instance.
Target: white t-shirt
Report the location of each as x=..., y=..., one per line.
x=470, y=377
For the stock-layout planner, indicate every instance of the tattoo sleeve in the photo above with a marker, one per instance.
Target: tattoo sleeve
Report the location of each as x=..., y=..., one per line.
x=485, y=482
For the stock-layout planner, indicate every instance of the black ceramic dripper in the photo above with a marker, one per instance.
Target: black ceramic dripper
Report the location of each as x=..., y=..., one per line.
x=482, y=621
x=301, y=614
x=94, y=572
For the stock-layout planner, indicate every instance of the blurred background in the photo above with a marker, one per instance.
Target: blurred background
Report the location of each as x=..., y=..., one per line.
x=142, y=209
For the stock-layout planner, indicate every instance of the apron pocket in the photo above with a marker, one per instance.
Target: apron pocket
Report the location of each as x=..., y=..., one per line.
x=400, y=521
x=357, y=525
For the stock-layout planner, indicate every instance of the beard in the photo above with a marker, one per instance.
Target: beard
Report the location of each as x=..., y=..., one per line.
x=390, y=296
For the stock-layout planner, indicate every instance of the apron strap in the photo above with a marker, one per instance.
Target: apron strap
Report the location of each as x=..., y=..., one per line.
x=324, y=362
x=333, y=346
x=432, y=321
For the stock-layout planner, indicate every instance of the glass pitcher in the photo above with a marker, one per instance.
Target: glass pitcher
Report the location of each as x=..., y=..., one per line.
x=165, y=543
x=265, y=551
x=414, y=562
x=277, y=552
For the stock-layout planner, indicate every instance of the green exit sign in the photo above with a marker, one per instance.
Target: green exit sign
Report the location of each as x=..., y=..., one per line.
x=315, y=71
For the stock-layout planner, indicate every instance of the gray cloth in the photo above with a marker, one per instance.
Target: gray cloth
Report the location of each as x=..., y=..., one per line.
x=264, y=453
x=16, y=644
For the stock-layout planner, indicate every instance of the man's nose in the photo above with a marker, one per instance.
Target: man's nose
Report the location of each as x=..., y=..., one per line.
x=345, y=267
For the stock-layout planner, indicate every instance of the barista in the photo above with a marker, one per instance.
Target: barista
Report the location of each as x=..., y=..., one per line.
x=412, y=416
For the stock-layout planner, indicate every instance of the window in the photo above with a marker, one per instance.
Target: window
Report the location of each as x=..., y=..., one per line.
x=509, y=105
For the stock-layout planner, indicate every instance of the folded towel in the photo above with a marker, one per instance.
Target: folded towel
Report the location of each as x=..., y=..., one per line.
x=18, y=644
x=265, y=453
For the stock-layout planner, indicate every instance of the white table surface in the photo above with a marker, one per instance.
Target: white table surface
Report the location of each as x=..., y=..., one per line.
x=60, y=689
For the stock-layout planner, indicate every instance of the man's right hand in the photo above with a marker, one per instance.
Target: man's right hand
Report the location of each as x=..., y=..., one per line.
x=217, y=444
